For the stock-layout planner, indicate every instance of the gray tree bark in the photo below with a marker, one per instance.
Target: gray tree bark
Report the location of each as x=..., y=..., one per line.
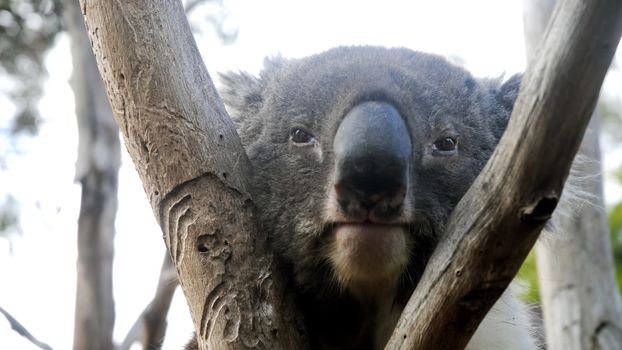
x=97, y=170
x=580, y=299
x=194, y=171
x=497, y=222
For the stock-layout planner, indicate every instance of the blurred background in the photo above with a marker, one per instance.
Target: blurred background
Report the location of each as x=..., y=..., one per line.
x=46, y=160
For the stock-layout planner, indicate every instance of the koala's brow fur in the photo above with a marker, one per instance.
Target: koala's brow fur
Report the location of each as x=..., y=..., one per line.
x=292, y=185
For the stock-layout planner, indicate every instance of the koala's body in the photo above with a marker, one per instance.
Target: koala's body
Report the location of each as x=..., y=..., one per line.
x=359, y=156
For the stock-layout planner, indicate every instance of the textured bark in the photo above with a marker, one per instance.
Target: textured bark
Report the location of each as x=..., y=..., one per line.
x=580, y=298
x=194, y=171
x=97, y=170
x=150, y=327
x=497, y=222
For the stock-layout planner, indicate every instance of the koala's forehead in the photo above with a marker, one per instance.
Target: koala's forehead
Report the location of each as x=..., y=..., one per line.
x=333, y=82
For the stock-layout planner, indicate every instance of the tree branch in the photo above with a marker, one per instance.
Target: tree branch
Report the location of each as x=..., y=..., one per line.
x=497, y=222
x=571, y=263
x=194, y=171
x=21, y=330
x=150, y=326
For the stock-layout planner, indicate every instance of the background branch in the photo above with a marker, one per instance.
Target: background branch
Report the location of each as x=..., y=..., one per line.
x=21, y=330
x=150, y=326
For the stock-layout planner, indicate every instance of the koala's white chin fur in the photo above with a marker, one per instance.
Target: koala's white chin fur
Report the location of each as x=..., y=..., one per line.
x=366, y=253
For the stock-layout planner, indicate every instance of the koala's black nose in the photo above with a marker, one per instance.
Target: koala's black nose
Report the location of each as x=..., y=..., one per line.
x=372, y=151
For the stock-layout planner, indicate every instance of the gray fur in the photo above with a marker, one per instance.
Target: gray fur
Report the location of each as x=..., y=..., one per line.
x=290, y=183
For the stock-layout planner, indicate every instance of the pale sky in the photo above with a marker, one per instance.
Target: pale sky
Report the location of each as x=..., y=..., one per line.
x=39, y=279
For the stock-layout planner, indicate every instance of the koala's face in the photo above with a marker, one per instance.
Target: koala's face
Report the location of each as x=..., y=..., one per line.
x=360, y=155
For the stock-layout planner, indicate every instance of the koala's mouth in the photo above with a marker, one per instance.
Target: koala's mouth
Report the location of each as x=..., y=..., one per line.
x=366, y=227
x=368, y=251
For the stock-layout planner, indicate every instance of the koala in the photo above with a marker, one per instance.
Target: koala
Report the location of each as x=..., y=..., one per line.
x=359, y=155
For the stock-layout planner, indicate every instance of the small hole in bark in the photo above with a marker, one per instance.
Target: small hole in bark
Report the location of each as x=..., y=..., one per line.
x=202, y=244
x=224, y=175
x=275, y=332
x=541, y=212
x=121, y=76
x=157, y=193
x=221, y=136
x=226, y=242
x=404, y=336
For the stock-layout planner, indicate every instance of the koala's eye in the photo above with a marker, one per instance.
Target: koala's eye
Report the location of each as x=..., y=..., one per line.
x=301, y=136
x=445, y=146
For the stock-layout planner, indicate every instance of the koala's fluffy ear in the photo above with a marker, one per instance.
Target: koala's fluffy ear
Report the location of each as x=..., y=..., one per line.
x=503, y=95
x=244, y=93
x=241, y=92
x=244, y=96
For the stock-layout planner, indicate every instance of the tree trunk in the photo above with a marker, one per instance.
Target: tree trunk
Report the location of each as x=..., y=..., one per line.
x=580, y=298
x=194, y=171
x=497, y=222
x=97, y=170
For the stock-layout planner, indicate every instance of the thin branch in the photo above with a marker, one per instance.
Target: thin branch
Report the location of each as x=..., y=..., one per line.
x=21, y=330
x=151, y=324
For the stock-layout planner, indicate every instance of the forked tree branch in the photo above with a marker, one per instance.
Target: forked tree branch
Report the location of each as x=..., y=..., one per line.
x=497, y=222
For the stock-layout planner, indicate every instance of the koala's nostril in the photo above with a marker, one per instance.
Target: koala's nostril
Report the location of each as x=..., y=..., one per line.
x=372, y=152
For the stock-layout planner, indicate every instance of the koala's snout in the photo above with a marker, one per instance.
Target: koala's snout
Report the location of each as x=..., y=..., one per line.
x=372, y=152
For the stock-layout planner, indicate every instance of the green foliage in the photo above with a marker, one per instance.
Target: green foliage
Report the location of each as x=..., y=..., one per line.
x=27, y=30
x=529, y=278
x=615, y=228
x=528, y=275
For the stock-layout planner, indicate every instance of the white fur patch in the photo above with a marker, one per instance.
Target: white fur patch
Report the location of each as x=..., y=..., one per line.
x=368, y=254
x=505, y=327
